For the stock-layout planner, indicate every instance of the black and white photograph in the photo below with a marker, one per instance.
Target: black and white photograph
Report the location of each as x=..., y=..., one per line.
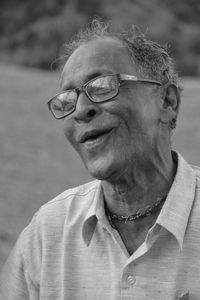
x=100, y=150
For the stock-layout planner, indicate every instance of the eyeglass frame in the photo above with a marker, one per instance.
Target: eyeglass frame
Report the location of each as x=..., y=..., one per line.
x=79, y=90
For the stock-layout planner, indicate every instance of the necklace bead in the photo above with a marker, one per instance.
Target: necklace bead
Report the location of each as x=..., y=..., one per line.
x=149, y=210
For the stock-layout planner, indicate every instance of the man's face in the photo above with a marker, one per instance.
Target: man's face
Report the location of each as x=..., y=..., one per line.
x=110, y=136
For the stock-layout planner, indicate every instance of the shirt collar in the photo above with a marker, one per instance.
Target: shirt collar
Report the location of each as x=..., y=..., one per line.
x=95, y=213
x=174, y=214
x=176, y=210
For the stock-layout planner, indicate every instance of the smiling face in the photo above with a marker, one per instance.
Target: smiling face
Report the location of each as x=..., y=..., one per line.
x=110, y=136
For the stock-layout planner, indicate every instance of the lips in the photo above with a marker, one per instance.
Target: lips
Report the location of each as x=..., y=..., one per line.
x=93, y=135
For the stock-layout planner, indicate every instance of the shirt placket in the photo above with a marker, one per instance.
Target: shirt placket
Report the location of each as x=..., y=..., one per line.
x=128, y=282
x=129, y=279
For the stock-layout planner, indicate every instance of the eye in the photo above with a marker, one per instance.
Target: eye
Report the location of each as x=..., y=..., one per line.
x=103, y=88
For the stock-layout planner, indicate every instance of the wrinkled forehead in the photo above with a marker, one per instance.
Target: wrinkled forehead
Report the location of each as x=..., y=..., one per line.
x=97, y=57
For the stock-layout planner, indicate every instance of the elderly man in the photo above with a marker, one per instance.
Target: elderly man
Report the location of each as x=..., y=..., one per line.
x=133, y=233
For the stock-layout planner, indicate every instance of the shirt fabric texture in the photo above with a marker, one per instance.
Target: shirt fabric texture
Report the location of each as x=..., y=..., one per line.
x=69, y=250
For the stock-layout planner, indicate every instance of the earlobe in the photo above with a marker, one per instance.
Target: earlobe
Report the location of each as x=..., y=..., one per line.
x=170, y=103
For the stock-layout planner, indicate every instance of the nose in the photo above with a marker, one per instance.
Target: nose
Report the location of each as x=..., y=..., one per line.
x=86, y=110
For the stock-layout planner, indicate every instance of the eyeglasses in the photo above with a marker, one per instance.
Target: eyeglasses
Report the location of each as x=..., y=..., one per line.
x=98, y=90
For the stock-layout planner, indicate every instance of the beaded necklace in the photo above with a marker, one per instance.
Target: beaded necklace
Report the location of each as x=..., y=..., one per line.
x=149, y=210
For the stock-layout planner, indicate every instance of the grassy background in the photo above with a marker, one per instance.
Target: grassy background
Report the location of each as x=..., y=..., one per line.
x=36, y=161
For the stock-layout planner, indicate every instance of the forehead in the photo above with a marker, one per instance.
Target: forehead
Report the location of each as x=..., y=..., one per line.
x=97, y=57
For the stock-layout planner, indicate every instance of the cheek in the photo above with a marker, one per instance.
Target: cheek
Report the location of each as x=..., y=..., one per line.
x=69, y=132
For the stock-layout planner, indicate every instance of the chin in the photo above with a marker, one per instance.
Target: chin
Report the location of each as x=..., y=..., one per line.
x=106, y=165
x=99, y=174
x=100, y=170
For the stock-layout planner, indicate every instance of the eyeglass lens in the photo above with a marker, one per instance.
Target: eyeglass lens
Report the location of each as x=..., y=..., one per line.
x=98, y=90
x=102, y=88
x=64, y=103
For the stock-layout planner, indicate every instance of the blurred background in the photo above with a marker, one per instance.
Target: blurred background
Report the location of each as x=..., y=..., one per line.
x=36, y=161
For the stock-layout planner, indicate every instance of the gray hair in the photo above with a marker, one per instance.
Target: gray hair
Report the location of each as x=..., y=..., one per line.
x=151, y=59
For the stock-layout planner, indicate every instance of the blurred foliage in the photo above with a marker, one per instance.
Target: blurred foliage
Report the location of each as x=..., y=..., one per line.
x=33, y=31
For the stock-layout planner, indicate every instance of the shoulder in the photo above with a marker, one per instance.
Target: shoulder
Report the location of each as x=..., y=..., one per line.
x=52, y=219
x=44, y=234
x=50, y=222
x=69, y=204
x=77, y=193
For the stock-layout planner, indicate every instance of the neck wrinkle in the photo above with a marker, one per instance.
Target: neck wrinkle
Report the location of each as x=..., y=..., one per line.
x=135, y=190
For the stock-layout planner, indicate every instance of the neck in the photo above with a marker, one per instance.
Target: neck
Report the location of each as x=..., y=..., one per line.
x=140, y=185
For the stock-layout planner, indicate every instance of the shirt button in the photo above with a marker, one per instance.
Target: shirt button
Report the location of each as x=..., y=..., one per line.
x=131, y=279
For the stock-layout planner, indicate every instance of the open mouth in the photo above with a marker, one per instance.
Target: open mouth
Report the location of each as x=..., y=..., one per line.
x=94, y=135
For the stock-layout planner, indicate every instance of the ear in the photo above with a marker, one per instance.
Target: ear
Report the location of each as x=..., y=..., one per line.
x=170, y=103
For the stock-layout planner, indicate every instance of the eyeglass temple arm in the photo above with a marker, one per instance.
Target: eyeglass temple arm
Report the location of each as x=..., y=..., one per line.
x=135, y=78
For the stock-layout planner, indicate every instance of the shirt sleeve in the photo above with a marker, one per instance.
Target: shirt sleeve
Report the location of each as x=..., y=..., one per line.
x=16, y=281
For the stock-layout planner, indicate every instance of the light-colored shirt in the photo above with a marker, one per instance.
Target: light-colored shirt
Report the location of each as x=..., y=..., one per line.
x=69, y=250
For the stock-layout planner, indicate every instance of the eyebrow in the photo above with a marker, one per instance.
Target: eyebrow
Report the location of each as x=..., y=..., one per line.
x=93, y=75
